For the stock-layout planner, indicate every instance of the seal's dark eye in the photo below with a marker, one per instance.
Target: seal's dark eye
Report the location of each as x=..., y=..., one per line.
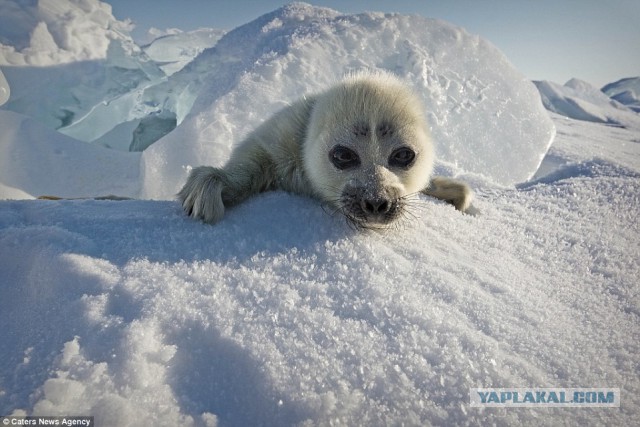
x=402, y=157
x=343, y=157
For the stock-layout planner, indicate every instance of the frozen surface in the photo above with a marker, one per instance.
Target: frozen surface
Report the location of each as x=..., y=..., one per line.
x=5, y=90
x=173, y=51
x=626, y=91
x=36, y=161
x=84, y=100
x=282, y=315
x=582, y=101
x=72, y=66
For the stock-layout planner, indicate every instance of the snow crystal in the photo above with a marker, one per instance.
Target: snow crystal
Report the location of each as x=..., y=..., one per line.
x=134, y=311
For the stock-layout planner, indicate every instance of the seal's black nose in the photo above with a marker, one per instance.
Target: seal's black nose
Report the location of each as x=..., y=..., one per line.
x=375, y=206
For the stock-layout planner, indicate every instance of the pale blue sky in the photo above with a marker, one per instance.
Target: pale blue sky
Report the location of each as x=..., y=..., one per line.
x=594, y=40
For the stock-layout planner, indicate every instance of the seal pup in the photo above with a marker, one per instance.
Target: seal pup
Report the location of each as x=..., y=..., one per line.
x=362, y=147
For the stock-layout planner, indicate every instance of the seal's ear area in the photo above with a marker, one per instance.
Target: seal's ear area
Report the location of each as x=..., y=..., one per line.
x=450, y=190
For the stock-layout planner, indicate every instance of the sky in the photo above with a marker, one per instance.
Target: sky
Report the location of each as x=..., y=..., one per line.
x=594, y=40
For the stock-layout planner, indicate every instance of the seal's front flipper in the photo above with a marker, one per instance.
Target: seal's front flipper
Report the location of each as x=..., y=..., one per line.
x=451, y=191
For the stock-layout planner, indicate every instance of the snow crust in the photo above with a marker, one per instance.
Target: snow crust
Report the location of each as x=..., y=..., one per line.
x=283, y=315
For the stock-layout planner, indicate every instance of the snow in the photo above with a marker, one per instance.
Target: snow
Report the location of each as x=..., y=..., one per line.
x=5, y=90
x=51, y=32
x=281, y=314
x=130, y=310
x=626, y=91
x=582, y=101
x=38, y=161
x=79, y=62
x=84, y=99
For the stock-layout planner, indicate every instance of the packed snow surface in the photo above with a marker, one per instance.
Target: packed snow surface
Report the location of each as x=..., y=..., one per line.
x=281, y=314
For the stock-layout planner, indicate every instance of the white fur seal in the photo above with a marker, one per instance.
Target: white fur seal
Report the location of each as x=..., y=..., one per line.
x=362, y=146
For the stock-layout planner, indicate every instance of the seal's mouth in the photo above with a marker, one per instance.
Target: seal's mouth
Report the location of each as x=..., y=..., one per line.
x=370, y=212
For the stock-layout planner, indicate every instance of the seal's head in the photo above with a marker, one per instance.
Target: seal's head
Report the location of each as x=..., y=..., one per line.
x=367, y=148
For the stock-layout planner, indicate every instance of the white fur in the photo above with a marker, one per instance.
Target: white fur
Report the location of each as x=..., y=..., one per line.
x=370, y=114
x=370, y=99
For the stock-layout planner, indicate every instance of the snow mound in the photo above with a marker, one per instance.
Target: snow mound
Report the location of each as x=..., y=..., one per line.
x=134, y=313
x=625, y=91
x=53, y=32
x=37, y=161
x=582, y=101
x=486, y=117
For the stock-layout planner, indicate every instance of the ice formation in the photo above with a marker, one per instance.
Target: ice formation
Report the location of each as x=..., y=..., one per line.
x=582, y=101
x=625, y=91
